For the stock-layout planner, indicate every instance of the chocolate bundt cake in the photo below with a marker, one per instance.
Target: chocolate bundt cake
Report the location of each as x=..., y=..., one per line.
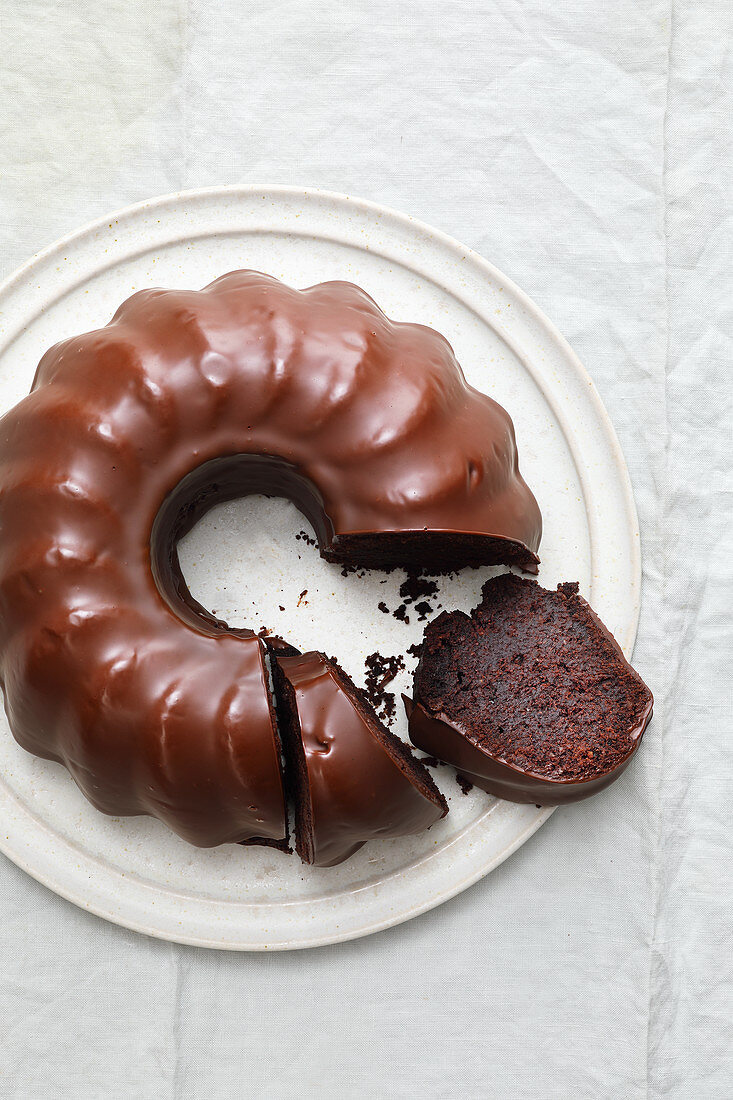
x=130, y=434
x=529, y=696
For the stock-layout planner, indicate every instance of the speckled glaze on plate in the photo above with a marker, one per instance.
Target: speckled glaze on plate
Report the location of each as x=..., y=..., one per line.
x=244, y=562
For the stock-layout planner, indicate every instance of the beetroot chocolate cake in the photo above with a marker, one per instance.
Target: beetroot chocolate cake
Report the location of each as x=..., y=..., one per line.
x=131, y=433
x=529, y=696
x=351, y=780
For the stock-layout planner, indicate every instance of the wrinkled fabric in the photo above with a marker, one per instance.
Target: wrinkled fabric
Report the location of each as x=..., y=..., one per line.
x=585, y=149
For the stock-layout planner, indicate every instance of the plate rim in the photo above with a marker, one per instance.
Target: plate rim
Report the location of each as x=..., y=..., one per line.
x=414, y=225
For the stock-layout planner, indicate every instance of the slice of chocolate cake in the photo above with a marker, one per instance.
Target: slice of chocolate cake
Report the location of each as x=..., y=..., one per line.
x=350, y=779
x=529, y=696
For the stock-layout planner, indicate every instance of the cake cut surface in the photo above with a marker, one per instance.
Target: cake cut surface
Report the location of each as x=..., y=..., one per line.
x=532, y=680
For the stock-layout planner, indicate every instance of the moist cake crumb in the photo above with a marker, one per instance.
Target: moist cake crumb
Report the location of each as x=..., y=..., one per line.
x=381, y=671
x=533, y=678
x=464, y=784
x=416, y=586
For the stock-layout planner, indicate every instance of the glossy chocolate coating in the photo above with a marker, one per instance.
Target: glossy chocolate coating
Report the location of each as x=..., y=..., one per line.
x=443, y=737
x=129, y=435
x=356, y=790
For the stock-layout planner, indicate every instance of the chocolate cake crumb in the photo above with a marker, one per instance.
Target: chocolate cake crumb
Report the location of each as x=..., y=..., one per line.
x=464, y=784
x=300, y=597
x=401, y=614
x=415, y=649
x=383, y=607
x=281, y=607
x=431, y=761
x=264, y=632
x=423, y=610
x=381, y=671
x=416, y=586
x=388, y=708
x=307, y=538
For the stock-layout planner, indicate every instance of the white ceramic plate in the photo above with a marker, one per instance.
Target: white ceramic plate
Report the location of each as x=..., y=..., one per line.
x=242, y=560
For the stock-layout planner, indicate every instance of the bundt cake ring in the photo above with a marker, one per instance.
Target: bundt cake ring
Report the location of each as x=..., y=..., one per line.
x=132, y=432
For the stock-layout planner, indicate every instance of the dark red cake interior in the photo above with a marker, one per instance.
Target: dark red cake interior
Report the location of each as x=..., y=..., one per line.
x=534, y=679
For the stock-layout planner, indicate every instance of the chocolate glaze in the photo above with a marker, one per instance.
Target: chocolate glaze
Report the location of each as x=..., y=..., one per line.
x=358, y=782
x=449, y=740
x=130, y=434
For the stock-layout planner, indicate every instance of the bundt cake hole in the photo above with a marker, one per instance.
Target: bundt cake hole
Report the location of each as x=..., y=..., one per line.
x=215, y=482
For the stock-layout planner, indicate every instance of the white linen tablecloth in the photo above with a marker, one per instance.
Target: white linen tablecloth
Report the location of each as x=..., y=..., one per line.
x=585, y=149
